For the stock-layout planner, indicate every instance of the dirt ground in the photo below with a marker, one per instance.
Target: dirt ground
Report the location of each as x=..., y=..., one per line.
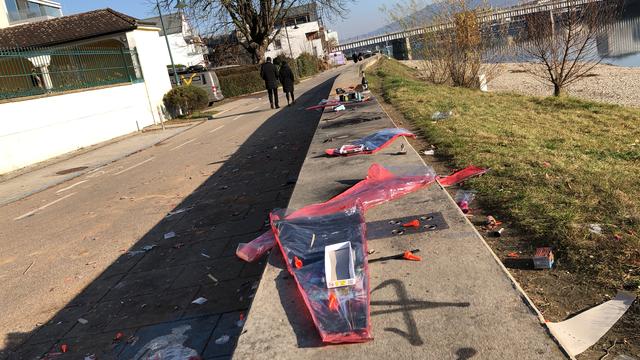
x=557, y=293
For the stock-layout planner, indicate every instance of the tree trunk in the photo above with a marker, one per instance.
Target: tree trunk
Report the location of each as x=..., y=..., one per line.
x=558, y=90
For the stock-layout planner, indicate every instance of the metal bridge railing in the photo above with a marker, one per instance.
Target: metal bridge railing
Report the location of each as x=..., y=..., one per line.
x=37, y=71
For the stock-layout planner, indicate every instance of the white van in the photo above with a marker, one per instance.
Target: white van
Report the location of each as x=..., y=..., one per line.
x=201, y=77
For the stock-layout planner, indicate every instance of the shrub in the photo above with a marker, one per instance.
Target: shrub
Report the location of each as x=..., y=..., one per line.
x=236, y=84
x=185, y=98
x=307, y=64
x=231, y=70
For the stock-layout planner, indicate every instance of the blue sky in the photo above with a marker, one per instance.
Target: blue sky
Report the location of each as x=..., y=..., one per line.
x=364, y=15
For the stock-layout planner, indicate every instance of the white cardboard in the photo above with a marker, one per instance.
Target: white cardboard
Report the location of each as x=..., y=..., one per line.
x=585, y=329
x=331, y=267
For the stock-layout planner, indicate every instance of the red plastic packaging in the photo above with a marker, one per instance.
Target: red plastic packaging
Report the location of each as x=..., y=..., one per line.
x=370, y=144
x=342, y=314
x=378, y=187
x=462, y=175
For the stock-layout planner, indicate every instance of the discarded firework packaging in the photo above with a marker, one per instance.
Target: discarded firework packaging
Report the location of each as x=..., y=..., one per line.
x=543, y=258
x=350, y=149
x=464, y=198
x=412, y=223
x=441, y=115
x=340, y=315
x=497, y=233
x=462, y=175
x=374, y=142
x=378, y=187
x=340, y=91
x=338, y=108
x=338, y=265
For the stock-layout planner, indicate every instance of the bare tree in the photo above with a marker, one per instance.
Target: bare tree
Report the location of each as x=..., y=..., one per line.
x=456, y=47
x=562, y=43
x=257, y=21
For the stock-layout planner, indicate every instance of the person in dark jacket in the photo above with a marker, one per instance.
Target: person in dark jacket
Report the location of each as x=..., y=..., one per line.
x=354, y=57
x=269, y=74
x=287, y=80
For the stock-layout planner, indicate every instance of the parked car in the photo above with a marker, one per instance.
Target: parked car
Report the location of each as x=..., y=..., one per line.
x=201, y=77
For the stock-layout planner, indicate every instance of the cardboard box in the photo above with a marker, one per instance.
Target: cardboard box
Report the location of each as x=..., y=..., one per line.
x=338, y=265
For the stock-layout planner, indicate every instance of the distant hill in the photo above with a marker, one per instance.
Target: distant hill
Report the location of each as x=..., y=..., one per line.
x=427, y=13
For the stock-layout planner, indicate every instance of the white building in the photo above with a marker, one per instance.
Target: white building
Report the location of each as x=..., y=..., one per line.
x=187, y=48
x=86, y=78
x=16, y=12
x=302, y=32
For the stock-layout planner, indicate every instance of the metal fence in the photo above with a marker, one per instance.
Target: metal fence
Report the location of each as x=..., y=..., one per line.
x=36, y=71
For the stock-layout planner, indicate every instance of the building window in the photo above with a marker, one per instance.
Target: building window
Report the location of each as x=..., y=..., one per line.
x=277, y=44
x=315, y=35
x=20, y=10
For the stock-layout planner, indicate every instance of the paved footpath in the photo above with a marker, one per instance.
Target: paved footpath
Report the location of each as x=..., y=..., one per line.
x=457, y=303
x=92, y=259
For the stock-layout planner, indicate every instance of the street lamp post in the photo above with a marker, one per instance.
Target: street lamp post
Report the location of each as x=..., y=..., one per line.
x=166, y=38
x=286, y=31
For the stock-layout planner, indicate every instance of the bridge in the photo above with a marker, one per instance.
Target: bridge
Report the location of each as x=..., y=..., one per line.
x=400, y=40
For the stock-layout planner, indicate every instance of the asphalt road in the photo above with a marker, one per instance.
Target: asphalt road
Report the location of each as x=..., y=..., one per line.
x=59, y=245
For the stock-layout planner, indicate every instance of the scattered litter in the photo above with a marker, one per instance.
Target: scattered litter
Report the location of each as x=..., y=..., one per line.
x=543, y=258
x=462, y=175
x=205, y=255
x=513, y=255
x=429, y=152
x=28, y=268
x=297, y=262
x=340, y=107
x=497, y=233
x=402, y=151
x=222, y=340
x=169, y=346
x=371, y=252
x=178, y=245
x=441, y=115
x=240, y=322
x=491, y=223
x=179, y=211
x=212, y=278
x=90, y=357
x=371, y=143
x=118, y=336
x=169, y=235
x=199, y=301
x=407, y=255
x=148, y=247
x=595, y=229
x=412, y=223
x=580, y=332
x=64, y=348
x=83, y=321
x=464, y=198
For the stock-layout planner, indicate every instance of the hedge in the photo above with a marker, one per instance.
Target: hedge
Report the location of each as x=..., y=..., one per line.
x=241, y=80
x=237, y=84
x=185, y=98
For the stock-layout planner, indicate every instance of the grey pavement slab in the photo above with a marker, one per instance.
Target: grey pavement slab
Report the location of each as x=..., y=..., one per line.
x=31, y=182
x=457, y=303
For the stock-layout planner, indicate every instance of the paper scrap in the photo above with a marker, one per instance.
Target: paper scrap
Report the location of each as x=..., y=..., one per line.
x=199, y=301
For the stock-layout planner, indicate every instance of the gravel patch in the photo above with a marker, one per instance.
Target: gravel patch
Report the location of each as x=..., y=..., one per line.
x=605, y=83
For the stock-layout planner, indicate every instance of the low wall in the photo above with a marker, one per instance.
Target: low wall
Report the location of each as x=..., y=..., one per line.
x=38, y=129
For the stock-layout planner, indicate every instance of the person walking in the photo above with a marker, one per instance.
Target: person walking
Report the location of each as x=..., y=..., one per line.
x=287, y=79
x=354, y=57
x=269, y=74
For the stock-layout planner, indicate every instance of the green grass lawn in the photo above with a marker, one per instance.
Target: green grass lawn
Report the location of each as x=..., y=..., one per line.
x=557, y=165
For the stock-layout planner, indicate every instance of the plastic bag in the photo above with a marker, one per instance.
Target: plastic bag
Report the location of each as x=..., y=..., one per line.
x=378, y=187
x=372, y=143
x=340, y=314
x=462, y=175
x=464, y=198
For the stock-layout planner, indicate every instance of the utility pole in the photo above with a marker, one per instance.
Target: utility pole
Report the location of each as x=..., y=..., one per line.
x=166, y=38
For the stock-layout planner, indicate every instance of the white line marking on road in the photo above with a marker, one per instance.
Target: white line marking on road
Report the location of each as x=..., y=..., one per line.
x=216, y=129
x=42, y=207
x=133, y=167
x=253, y=108
x=223, y=111
x=237, y=117
x=71, y=186
x=183, y=144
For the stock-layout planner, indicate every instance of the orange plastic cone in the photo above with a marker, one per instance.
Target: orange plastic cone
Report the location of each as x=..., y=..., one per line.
x=412, y=223
x=408, y=255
